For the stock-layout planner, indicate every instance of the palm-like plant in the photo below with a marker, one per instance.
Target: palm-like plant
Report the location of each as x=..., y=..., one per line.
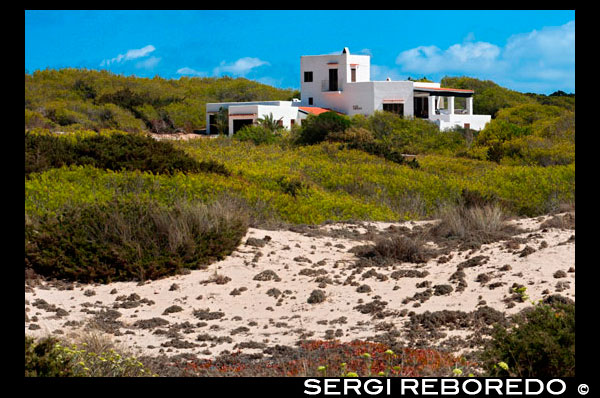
x=222, y=121
x=269, y=122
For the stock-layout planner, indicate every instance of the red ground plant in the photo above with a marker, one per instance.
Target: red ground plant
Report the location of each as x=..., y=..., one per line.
x=329, y=356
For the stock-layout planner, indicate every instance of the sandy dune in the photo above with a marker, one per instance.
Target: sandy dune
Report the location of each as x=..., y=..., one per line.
x=249, y=314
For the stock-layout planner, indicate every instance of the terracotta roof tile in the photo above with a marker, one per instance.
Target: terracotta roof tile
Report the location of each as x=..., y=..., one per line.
x=315, y=110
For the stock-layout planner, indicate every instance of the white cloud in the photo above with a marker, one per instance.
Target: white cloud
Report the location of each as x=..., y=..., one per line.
x=148, y=63
x=129, y=55
x=458, y=57
x=241, y=67
x=543, y=57
x=553, y=45
x=189, y=71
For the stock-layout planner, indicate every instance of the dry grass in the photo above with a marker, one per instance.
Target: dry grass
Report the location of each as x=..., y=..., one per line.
x=96, y=341
x=461, y=222
x=400, y=248
x=566, y=221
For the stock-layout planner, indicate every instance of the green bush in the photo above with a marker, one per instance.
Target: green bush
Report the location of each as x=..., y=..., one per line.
x=37, y=120
x=540, y=343
x=50, y=357
x=131, y=240
x=113, y=152
x=291, y=186
x=43, y=359
x=353, y=135
x=315, y=128
x=489, y=97
x=257, y=134
x=411, y=136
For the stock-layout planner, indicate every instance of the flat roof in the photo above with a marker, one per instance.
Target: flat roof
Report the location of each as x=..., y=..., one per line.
x=445, y=92
x=460, y=90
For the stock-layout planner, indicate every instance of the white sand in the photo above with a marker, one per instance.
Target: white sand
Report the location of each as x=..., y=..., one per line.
x=284, y=324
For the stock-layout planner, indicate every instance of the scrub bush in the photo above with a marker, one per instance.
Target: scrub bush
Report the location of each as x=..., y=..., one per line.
x=115, y=151
x=124, y=240
x=50, y=357
x=315, y=128
x=539, y=343
x=43, y=359
x=336, y=184
x=256, y=134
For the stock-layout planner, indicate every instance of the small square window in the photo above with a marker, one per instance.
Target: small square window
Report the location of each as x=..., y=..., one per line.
x=310, y=100
x=308, y=77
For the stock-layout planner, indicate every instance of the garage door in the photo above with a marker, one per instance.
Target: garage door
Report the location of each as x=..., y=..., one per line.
x=239, y=123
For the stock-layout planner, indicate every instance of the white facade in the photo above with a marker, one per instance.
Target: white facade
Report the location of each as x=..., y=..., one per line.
x=342, y=83
x=249, y=112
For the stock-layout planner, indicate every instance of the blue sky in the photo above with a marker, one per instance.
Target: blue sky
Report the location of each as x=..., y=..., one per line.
x=528, y=51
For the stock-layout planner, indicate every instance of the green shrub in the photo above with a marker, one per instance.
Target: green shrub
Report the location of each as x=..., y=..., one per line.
x=131, y=240
x=43, y=152
x=530, y=134
x=43, y=359
x=362, y=139
x=113, y=152
x=37, y=120
x=291, y=186
x=353, y=135
x=257, y=134
x=394, y=134
x=50, y=357
x=315, y=128
x=540, y=343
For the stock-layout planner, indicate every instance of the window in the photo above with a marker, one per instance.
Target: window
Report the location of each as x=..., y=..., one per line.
x=292, y=122
x=308, y=77
x=394, y=108
x=310, y=100
x=353, y=75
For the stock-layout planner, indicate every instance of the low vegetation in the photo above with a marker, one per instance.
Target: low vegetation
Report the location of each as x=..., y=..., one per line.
x=540, y=342
x=73, y=99
x=131, y=240
x=104, y=202
x=50, y=357
x=112, y=150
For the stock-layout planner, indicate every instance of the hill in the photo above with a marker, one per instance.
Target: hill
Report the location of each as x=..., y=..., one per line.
x=489, y=97
x=71, y=99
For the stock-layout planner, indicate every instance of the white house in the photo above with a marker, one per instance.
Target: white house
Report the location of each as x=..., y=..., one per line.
x=342, y=83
